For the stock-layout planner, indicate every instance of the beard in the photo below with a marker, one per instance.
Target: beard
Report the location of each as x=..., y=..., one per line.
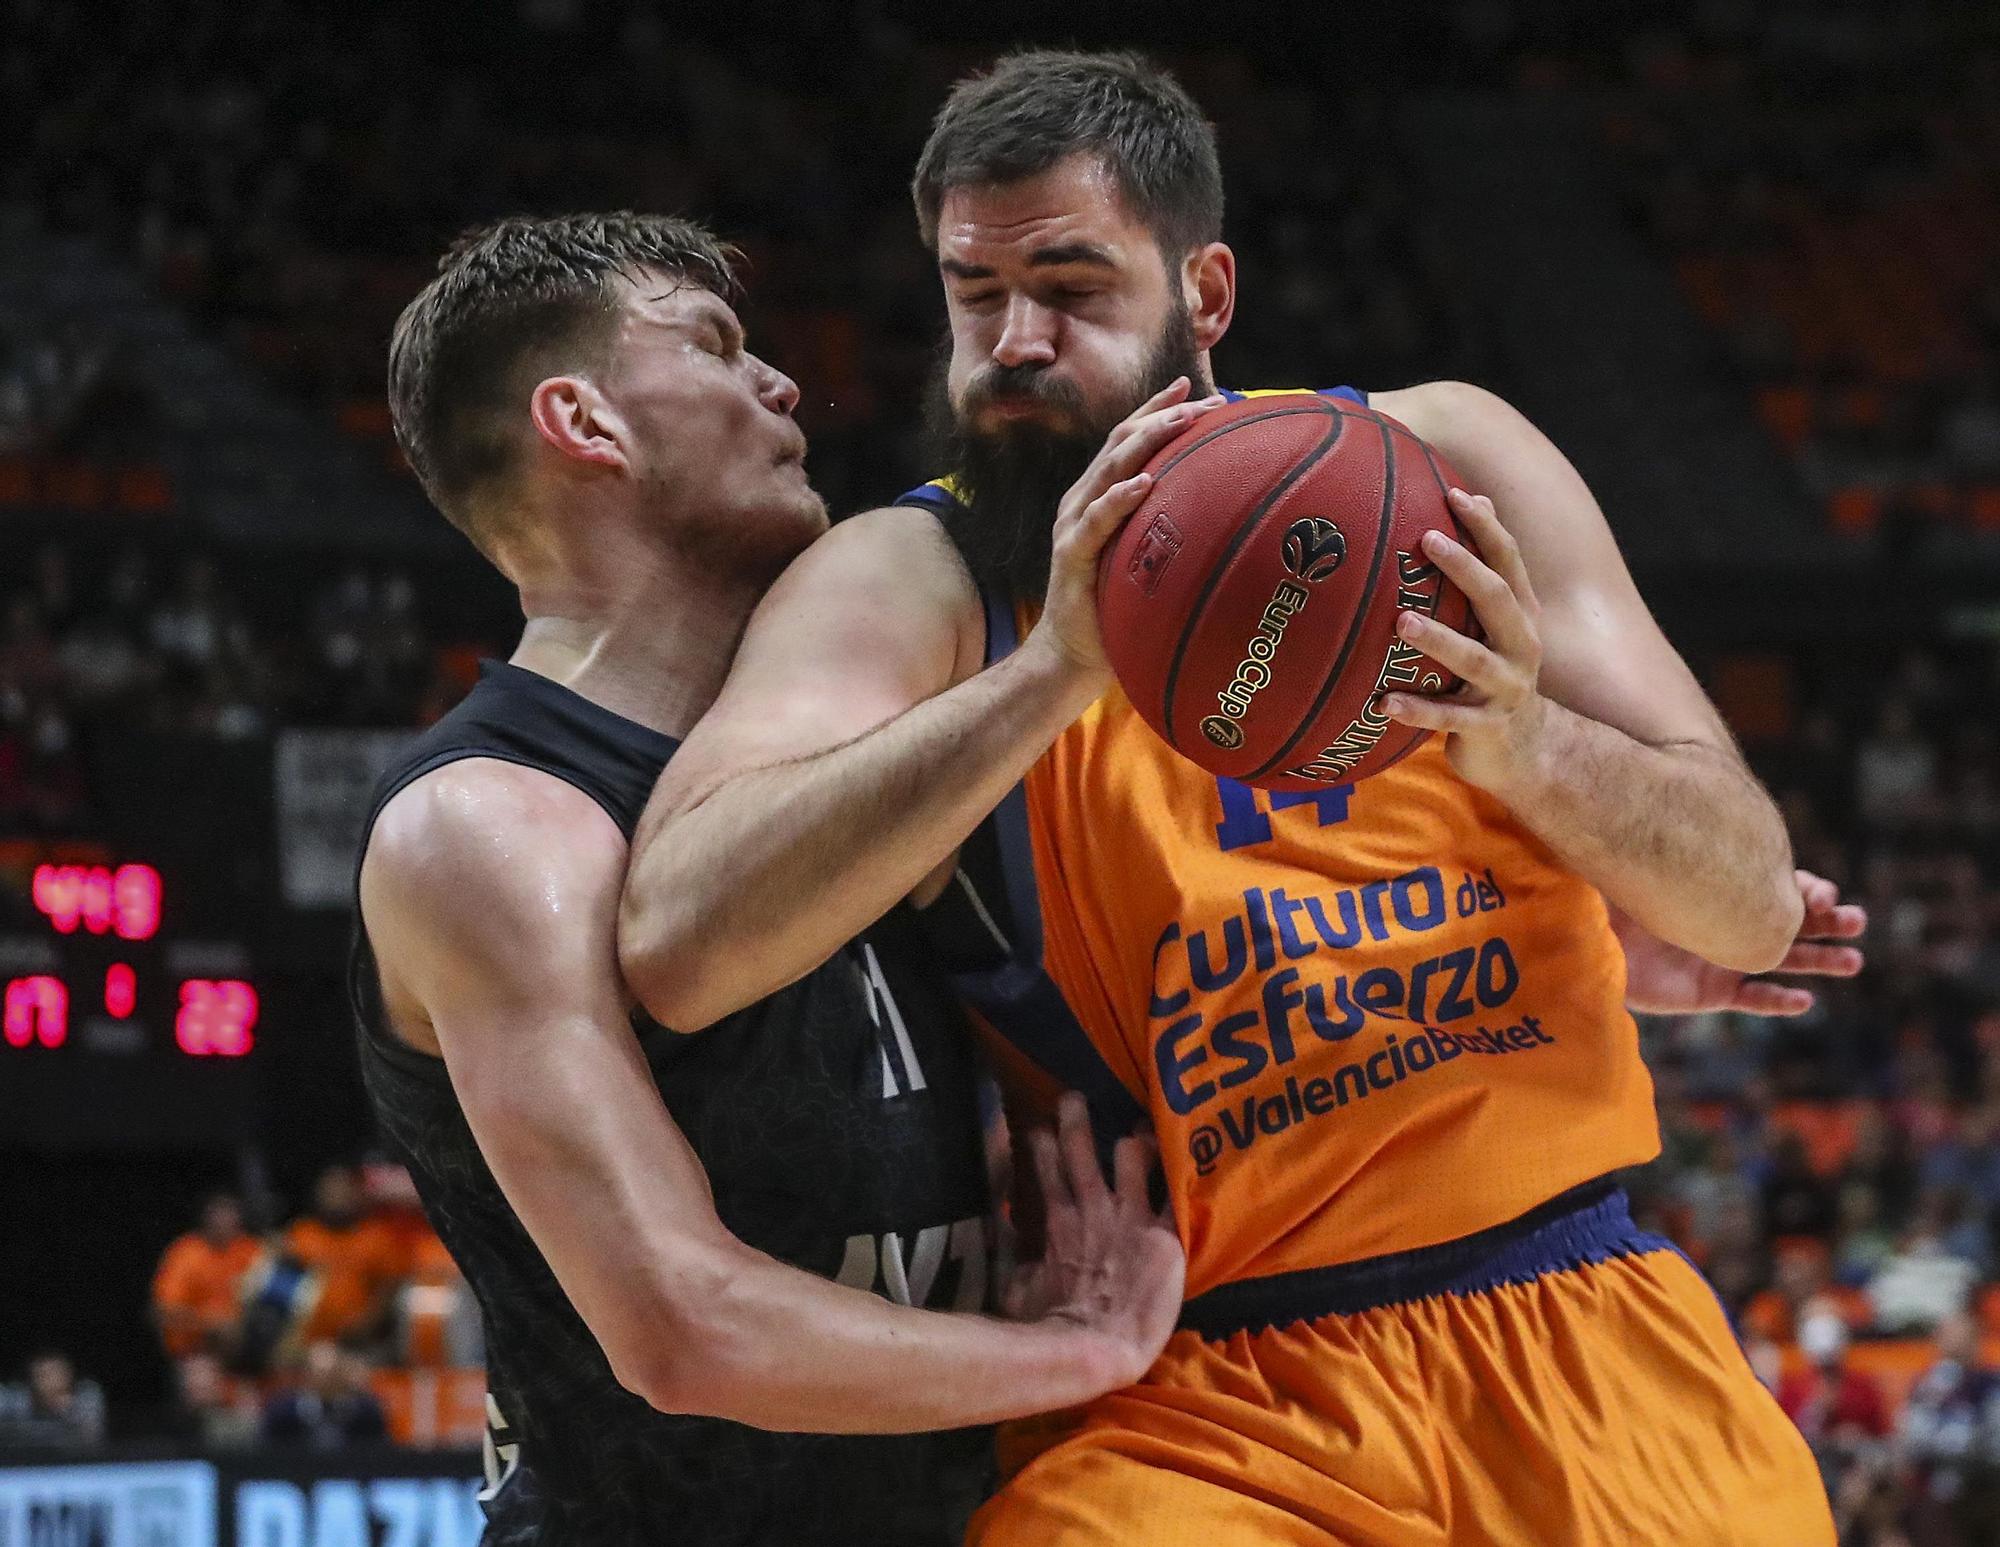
x=1011, y=480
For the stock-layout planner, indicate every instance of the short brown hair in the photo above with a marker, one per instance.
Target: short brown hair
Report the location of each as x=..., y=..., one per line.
x=1038, y=107
x=523, y=292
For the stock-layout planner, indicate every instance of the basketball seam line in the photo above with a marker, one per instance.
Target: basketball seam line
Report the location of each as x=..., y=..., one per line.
x=1242, y=535
x=1383, y=525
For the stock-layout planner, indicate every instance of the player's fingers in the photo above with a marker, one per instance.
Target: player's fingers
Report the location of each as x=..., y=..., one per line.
x=1173, y=392
x=1846, y=922
x=1466, y=658
x=1079, y=1151
x=1821, y=961
x=1057, y=1201
x=1131, y=446
x=1132, y=1164
x=1103, y=515
x=1434, y=714
x=1499, y=609
x=1816, y=892
x=1144, y=435
x=1495, y=543
x=1756, y=997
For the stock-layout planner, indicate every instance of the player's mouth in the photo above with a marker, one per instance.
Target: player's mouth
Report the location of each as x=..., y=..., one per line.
x=1018, y=410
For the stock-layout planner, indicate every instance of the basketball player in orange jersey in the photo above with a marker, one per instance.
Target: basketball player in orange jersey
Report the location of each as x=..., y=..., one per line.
x=1380, y=1032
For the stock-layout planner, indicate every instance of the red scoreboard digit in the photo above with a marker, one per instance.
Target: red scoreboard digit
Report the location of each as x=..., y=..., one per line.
x=212, y=1017
x=121, y=1027
x=36, y=1012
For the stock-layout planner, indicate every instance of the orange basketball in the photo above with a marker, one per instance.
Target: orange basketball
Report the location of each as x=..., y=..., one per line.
x=1249, y=606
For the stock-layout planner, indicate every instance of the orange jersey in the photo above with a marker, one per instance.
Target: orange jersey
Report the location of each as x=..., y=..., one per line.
x=204, y=1282
x=1380, y=1033
x=1360, y=1021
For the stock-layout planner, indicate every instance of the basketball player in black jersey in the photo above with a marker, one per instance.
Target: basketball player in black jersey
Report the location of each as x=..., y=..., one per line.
x=674, y=1236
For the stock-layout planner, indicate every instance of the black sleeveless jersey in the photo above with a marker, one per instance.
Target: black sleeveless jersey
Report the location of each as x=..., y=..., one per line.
x=838, y=1123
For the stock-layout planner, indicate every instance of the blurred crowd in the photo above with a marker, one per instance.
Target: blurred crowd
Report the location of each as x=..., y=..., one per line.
x=181, y=643
x=279, y=1335
x=1828, y=189
x=288, y=174
x=1837, y=1176
x=1833, y=212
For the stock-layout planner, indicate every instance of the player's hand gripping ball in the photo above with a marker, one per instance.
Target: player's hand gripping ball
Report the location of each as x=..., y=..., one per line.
x=1249, y=606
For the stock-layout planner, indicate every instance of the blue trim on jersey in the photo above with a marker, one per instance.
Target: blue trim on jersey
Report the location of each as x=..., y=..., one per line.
x=1580, y=1228
x=1352, y=394
x=928, y=495
x=1019, y=998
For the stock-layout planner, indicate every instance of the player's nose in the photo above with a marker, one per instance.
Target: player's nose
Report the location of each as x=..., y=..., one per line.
x=1027, y=335
x=776, y=390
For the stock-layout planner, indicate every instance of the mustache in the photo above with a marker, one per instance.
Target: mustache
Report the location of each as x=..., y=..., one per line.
x=1032, y=382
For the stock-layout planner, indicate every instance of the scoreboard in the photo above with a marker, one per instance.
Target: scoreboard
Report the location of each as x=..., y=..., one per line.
x=116, y=1027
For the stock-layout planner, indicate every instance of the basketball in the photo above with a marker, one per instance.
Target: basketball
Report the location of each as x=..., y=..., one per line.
x=1249, y=606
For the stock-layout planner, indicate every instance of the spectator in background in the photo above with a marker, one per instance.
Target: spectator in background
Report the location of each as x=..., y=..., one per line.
x=1950, y=1436
x=52, y=1406
x=1797, y=1200
x=1879, y=1161
x=196, y=1290
x=353, y=1255
x=195, y=626
x=211, y=1411
x=1927, y=1280
x=436, y=1315
x=1802, y=1288
x=1864, y=1243
x=1895, y=768
x=1841, y=1411
x=331, y=1408
x=1869, y=1507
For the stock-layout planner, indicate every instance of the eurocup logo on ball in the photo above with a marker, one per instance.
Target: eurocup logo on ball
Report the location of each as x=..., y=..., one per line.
x=1313, y=548
x=1223, y=731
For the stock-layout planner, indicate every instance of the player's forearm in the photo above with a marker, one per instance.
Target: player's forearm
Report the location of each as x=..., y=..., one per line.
x=778, y=1348
x=772, y=872
x=1680, y=837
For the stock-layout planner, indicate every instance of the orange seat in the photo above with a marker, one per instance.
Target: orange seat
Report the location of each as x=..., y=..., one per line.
x=74, y=486
x=1855, y=510
x=429, y=1408
x=1787, y=413
x=367, y=418
x=1826, y=1128
x=144, y=490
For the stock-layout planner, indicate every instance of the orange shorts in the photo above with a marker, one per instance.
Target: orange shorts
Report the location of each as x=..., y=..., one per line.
x=1570, y=1380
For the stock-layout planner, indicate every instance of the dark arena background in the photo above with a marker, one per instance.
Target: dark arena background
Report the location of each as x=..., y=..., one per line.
x=1739, y=258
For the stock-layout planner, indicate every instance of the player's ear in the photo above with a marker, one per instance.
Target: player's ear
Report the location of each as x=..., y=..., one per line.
x=1208, y=287
x=574, y=418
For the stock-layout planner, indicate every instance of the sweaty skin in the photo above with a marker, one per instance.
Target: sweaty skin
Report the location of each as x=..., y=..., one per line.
x=816, y=739
x=657, y=491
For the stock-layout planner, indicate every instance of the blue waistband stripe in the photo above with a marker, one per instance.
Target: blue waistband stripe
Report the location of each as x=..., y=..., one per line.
x=1586, y=1225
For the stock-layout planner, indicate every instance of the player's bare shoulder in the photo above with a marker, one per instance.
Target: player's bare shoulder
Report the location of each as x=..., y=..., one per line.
x=1447, y=412
x=898, y=555
x=481, y=867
